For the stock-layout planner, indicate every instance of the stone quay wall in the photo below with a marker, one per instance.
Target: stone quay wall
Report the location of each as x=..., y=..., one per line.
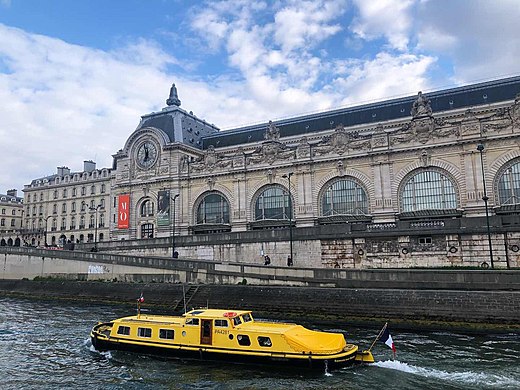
x=401, y=244
x=406, y=308
x=407, y=296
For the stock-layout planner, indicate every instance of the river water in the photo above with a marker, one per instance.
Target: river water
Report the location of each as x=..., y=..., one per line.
x=45, y=345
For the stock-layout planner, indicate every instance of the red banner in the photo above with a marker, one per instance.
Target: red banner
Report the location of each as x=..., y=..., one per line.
x=123, y=218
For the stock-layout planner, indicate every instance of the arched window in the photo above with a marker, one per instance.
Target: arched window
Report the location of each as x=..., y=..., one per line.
x=509, y=185
x=344, y=197
x=147, y=208
x=273, y=203
x=147, y=230
x=82, y=222
x=73, y=223
x=428, y=190
x=92, y=222
x=101, y=220
x=214, y=208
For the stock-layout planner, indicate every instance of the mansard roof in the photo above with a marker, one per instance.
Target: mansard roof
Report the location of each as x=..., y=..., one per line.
x=177, y=124
x=443, y=100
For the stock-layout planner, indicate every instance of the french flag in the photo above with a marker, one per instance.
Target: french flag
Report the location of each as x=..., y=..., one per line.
x=141, y=299
x=387, y=338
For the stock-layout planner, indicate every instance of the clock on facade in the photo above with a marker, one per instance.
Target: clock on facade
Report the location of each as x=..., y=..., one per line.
x=146, y=155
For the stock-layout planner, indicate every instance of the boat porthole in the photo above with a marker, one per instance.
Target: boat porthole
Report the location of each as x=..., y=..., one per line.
x=231, y=337
x=183, y=333
x=453, y=249
x=361, y=252
x=404, y=251
x=515, y=248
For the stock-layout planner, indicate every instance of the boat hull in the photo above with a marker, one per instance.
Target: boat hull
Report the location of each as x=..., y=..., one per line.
x=214, y=354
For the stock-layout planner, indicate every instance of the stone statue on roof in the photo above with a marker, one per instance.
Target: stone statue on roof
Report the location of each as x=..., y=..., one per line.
x=272, y=132
x=173, y=99
x=421, y=106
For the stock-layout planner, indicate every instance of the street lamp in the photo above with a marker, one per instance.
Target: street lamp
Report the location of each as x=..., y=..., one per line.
x=45, y=229
x=173, y=198
x=95, y=249
x=480, y=148
x=290, y=260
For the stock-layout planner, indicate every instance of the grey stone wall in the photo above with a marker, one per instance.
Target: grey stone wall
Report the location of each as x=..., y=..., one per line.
x=404, y=307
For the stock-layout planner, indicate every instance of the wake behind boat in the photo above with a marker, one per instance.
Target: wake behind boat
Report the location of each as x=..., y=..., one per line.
x=215, y=334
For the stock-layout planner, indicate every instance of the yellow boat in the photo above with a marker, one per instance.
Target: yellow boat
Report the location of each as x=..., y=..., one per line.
x=211, y=334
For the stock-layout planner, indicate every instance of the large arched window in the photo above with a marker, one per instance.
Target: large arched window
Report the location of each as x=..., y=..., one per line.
x=147, y=208
x=344, y=197
x=509, y=185
x=213, y=209
x=273, y=203
x=428, y=190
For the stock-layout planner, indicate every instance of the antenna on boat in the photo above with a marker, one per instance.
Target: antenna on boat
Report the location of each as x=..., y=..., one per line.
x=184, y=297
x=139, y=301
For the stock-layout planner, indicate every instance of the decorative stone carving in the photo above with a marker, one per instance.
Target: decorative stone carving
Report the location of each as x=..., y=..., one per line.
x=515, y=112
x=211, y=182
x=379, y=138
x=269, y=152
x=183, y=164
x=303, y=150
x=425, y=158
x=470, y=124
x=210, y=161
x=421, y=107
x=422, y=130
x=173, y=99
x=270, y=176
x=340, y=165
x=239, y=158
x=341, y=141
x=272, y=133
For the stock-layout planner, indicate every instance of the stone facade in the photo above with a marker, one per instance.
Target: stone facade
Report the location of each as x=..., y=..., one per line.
x=407, y=182
x=64, y=208
x=11, y=213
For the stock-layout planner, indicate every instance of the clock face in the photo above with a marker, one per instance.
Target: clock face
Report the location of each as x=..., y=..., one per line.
x=147, y=155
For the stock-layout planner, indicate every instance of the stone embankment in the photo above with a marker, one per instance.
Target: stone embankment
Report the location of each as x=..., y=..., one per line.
x=460, y=310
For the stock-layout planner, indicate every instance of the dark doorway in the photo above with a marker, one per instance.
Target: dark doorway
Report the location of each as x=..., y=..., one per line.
x=205, y=332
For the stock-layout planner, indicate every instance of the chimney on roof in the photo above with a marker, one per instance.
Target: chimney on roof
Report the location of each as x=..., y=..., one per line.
x=12, y=192
x=62, y=171
x=89, y=166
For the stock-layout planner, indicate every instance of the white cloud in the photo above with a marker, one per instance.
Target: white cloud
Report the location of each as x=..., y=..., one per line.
x=391, y=19
x=304, y=23
x=383, y=77
x=480, y=37
x=64, y=103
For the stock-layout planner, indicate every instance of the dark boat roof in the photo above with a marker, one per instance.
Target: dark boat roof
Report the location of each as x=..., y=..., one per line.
x=444, y=100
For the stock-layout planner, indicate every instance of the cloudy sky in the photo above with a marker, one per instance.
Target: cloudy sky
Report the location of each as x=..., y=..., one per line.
x=75, y=76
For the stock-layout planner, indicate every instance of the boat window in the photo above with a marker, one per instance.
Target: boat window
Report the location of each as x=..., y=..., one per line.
x=247, y=317
x=221, y=323
x=243, y=340
x=192, y=321
x=144, y=332
x=125, y=330
x=264, y=341
x=166, y=334
x=237, y=321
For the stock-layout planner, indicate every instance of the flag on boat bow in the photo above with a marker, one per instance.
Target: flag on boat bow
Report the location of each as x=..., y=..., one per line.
x=140, y=299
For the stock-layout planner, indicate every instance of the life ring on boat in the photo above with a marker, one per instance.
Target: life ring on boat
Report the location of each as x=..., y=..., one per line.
x=230, y=314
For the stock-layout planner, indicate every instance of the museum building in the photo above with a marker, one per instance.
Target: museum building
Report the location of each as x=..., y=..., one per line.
x=425, y=180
